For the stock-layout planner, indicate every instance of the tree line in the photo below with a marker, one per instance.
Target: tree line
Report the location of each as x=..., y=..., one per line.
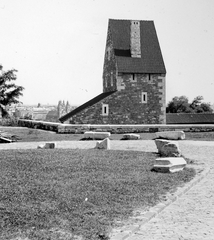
x=182, y=105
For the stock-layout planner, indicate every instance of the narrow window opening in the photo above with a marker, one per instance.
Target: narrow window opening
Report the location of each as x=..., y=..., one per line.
x=122, y=52
x=108, y=53
x=133, y=77
x=144, y=97
x=111, y=78
x=105, y=109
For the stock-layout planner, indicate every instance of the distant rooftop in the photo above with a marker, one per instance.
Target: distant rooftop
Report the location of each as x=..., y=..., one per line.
x=190, y=118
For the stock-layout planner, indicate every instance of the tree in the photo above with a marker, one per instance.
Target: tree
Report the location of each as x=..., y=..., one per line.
x=196, y=102
x=182, y=105
x=205, y=107
x=9, y=91
x=178, y=104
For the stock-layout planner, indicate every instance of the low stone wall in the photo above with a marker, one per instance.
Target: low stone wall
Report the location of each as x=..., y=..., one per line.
x=50, y=126
x=81, y=128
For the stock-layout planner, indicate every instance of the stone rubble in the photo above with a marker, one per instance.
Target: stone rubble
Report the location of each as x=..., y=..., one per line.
x=130, y=136
x=47, y=146
x=96, y=135
x=167, y=148
x=105, y=144
x=171, y=135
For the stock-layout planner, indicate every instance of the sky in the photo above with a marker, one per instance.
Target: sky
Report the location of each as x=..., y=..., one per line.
x=58, y=46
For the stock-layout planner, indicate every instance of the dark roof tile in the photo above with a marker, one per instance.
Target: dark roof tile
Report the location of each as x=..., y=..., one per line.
x=151, y=60
x=189, y=118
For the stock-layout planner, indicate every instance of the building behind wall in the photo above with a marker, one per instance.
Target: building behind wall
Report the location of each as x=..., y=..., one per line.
x=133, y=79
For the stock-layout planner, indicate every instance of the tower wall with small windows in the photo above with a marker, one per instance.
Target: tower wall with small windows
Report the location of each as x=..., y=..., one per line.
x=133, y=78
x=140, y=99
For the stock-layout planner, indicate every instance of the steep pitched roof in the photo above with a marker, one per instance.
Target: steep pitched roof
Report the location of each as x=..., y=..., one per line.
x=85, y=105
x=189, y=118
x=151, y=60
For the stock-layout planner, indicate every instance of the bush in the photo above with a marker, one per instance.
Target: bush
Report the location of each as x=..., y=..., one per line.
x=9, y=121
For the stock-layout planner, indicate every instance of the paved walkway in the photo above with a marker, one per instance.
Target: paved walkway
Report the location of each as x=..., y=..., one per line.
x=190, y=217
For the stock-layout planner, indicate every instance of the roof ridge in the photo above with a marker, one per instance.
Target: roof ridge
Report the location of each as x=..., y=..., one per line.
x=113, y=19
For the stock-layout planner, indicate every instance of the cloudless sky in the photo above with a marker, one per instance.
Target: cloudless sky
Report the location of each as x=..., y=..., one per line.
x=58, y=46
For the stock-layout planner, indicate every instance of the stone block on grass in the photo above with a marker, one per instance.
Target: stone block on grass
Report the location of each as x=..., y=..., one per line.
x=47, y=146
x=5, y=140
x=130, y=136
x=169, y=164
x=89, y=135
x=96, y=135
x=171, y=135
x=105, y=144
x=168, y=148
x=160, y=143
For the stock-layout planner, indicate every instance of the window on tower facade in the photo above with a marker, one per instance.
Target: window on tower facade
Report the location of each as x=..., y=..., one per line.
x=144, y=98
x=105, y=109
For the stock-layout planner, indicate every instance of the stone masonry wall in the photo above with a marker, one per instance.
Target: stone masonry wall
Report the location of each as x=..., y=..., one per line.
x=125, y=105
x=162, y=99
x=109, y=69
x=69, y=128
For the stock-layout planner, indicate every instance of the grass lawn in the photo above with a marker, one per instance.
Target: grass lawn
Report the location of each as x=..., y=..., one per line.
x=200, y=136
x=62, y=193
x=32, y=135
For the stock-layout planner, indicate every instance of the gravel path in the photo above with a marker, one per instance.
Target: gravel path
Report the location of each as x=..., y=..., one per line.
x=190, y=217
x=147, y=145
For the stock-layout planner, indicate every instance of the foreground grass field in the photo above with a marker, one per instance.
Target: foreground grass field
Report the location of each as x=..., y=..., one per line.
x=59, y=194
x=32, y=135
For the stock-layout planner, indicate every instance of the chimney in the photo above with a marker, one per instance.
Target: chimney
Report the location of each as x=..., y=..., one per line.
x=135, y=39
